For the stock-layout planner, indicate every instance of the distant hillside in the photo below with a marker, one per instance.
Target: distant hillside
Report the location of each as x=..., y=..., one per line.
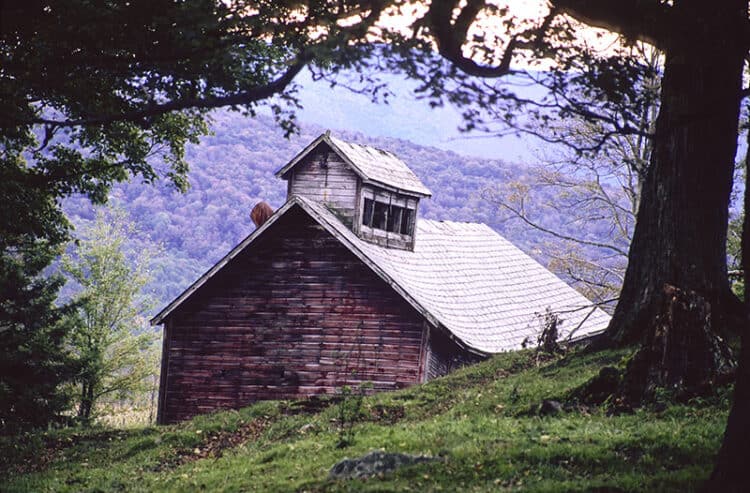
x=234, y=169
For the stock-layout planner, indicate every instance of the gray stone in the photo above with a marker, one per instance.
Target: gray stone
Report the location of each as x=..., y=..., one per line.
x=550, y=408
x=375, y=463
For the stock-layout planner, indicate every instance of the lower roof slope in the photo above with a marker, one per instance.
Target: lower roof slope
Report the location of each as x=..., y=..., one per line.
x=462, y=277
x=475, y=283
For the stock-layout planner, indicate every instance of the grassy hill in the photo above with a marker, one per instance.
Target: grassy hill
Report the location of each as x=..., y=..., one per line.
x=481, y=421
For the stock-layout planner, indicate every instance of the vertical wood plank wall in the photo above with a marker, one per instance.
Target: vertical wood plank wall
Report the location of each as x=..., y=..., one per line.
x=444, y=355
x=294, y=315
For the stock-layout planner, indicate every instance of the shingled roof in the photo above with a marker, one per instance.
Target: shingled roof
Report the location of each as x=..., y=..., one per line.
x=462, y=277
x=371, y=164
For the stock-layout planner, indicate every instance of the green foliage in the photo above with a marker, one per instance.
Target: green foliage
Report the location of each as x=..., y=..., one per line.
x=111, y=338
x=349, y=411
x=478, y=419
x=34, y=361
x=117, y=90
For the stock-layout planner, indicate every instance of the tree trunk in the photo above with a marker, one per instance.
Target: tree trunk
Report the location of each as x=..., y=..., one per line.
x=730, y=472
x=680, y=234
x=87, y=403
x=681, y=354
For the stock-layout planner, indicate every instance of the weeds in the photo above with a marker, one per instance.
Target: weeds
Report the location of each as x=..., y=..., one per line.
x=350, y=411
x=476, y=418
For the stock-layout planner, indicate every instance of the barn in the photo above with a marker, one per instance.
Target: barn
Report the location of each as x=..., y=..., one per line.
x=345, y=284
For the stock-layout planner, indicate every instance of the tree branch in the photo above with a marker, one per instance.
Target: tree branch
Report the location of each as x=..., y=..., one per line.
x=522, y=216
x=644, y=20
x=450, y=37
x=243, y=97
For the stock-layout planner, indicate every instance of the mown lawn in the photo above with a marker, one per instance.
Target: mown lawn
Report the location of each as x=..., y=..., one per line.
x=480, y=421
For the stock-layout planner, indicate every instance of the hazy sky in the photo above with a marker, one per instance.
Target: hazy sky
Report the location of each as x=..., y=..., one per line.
x=413, y=120
x=405, y=117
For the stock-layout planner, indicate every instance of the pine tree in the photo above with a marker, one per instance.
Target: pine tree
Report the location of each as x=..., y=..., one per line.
x=34, y=360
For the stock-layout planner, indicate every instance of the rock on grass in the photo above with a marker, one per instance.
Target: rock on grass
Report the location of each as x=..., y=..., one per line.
x=375, y=463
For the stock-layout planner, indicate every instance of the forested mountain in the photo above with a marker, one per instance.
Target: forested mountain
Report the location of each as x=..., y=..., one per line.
x=234, y=169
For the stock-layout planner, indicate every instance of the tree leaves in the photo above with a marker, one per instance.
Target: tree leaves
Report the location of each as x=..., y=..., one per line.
x=110, y=335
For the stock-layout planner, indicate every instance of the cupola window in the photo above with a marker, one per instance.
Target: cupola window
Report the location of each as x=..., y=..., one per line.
x=387, y=217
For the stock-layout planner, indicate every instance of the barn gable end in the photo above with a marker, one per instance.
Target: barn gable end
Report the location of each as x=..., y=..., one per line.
x=344, y=284
x=324, y=177
x=294, y=315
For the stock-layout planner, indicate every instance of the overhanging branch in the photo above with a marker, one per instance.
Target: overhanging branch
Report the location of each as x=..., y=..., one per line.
x=450, y=37
x=243, y=97
x=644, y=20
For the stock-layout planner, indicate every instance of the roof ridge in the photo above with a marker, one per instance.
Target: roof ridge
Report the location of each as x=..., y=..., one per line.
x=360, y=144
x=451, y=221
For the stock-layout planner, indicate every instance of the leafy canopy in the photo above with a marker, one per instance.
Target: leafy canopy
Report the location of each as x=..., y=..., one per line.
x=95, y=94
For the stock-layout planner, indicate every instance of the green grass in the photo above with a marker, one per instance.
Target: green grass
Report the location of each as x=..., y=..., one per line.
x=480, y=420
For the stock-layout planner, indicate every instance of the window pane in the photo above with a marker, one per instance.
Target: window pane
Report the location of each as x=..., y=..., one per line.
x=379, y=215
x=394, y=218
x=367, y=215
x=406, y=219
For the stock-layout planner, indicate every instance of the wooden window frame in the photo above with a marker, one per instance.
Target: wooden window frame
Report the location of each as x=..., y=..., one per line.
x=395, y=218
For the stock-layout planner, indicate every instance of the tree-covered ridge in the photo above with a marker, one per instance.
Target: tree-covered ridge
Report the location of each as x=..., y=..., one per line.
x=233, y=169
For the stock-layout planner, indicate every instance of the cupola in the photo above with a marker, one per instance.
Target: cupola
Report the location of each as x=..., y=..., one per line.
x=370, y=190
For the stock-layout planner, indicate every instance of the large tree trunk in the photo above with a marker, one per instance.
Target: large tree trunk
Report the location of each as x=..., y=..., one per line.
x=680, y=235
x=680, y=352
x=730, y=473
x=676, y=298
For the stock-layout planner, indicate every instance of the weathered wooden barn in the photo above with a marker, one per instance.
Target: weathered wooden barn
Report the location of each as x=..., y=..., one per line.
x=346, y=284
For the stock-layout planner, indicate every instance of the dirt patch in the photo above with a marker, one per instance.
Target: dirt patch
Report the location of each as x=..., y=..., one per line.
x=214, y=444
x=33, y=453
x=381, y=413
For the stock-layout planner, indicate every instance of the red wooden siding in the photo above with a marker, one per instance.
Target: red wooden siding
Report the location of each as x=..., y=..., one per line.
x=295, y=314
